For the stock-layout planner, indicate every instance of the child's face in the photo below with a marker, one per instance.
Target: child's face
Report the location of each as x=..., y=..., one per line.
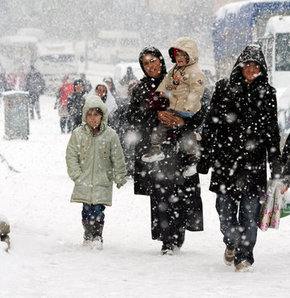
x=181, y=58
x=79, y=88
x=93, y=118
x=152, y=66
x=101, y=91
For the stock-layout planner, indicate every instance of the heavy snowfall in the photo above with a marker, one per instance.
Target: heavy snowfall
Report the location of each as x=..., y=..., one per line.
x=47, y=257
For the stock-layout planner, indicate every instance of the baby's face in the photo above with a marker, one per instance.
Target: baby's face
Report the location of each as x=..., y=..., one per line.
x=181, y=58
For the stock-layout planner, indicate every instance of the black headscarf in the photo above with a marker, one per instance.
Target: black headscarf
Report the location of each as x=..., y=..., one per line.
x=155, y=52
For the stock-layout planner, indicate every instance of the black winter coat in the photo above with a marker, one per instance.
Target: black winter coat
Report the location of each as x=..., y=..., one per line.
x=286, y=161
x=75, y=104
x=163, y=180
x=241, y=131
x=35, y=83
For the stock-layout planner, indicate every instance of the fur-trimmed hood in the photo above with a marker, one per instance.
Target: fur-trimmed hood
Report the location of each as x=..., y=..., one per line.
x=187, y=45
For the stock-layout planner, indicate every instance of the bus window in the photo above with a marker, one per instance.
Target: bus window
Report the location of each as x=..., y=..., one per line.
x=282, y=53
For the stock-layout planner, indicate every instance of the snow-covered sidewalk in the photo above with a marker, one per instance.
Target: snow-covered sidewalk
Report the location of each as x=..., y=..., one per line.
x=47, y=258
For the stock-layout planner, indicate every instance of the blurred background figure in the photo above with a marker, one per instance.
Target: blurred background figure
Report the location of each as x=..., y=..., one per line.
x=103, y=91
x=75, y=104
x=3, y=82
x=109, y=81
x=87, y=83
x=35, y=86
x=61, y=104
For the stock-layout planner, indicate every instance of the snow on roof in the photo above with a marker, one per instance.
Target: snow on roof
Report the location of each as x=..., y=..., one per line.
x=278, y=24
x=13, y=39
x=230, y=8
x=53, y=48
x=118, y=34
x=235, y=7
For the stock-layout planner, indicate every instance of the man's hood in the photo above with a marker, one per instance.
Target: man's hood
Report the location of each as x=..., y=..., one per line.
x=253, y=53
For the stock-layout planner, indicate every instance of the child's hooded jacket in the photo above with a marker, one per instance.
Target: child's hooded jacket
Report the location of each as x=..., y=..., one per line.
x=184, y=85
x=95, y=161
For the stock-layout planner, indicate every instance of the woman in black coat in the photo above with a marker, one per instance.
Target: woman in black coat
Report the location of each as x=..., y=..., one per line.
x=175, y=202
x=240, y=133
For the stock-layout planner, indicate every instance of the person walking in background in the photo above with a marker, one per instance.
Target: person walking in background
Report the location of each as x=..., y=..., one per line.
x=35, y=86
x=87, y=83
x=75, y=104
x=94, y=160
x=110, y=83
x=240, y=133
x=103, y=91
x=184, y=84
x=61, y=103
x=129, y=76
x=3, y=82
x=176, y=204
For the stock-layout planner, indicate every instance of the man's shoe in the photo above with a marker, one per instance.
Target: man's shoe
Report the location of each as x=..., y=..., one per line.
x=167, y=249
x=153, y=156
x=229, y=256
x=244, y=266
x=189, y=170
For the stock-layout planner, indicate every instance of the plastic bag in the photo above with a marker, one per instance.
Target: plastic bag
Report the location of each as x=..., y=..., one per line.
x=271, y=207
x=285, y=209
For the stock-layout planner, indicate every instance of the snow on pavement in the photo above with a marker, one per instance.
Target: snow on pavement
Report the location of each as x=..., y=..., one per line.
x=47, y=258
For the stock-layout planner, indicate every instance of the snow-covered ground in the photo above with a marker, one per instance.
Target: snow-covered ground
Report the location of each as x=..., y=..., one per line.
x=47, y=258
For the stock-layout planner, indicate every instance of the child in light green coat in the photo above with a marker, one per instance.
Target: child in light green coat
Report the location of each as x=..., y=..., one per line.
x=94, y=160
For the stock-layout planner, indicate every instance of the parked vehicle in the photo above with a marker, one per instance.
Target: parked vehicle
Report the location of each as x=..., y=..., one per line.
x=56, y=60
x=241, y=23
x=116, y=46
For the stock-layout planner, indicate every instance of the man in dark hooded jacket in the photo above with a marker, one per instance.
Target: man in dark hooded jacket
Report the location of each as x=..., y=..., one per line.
x=35, y=85
x=75, y=104
x=240, y=133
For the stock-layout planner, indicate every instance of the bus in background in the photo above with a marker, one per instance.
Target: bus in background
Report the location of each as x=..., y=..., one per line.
x=267, y=23
x=241, y=23
x=56, y=59
x=116, y=46
x=276, y=47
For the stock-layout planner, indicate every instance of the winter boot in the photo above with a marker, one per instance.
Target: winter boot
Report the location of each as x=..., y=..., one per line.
x=155, y=155
x=190, y=169
x=4, y=231
x=229, y=256
x=88, y=234
x=167, y=249
x=97, y=241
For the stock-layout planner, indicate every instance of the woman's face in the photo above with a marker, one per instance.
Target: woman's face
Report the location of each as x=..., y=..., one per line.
x=101, y=91
x=109, y=84
x=152, y=65
x=250, y=71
